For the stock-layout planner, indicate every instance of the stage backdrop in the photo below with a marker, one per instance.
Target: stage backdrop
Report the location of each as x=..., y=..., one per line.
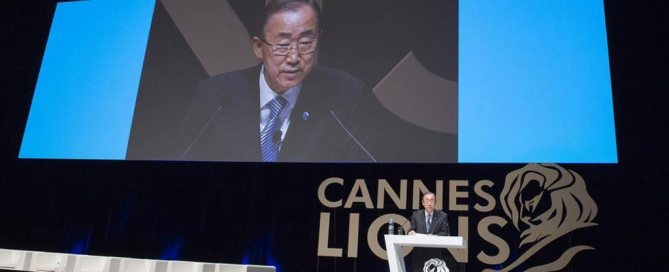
x=519, y=216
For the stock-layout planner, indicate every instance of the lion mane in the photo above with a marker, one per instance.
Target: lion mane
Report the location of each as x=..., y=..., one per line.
x=558, y=202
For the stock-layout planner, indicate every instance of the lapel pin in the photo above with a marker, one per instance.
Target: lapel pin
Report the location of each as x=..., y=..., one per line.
x=305, y=116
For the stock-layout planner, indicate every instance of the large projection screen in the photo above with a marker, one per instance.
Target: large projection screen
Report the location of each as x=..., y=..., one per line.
x=447, y=82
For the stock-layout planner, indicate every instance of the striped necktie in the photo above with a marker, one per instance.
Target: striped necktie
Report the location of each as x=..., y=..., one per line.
x=269, y=146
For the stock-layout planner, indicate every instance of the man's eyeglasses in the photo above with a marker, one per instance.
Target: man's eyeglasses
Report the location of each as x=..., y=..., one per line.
x=302, y=47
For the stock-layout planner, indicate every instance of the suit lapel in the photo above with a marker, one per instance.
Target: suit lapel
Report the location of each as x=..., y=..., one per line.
x=435, y=220
x=422, y=221
x=311, y=108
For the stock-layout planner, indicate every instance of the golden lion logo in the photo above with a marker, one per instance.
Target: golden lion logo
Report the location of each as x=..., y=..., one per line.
x=545, y=202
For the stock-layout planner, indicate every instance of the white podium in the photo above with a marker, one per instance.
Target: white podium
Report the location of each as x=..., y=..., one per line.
x=394, y=244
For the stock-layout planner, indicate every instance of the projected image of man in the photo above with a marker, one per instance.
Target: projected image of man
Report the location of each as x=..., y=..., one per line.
x=286, y=108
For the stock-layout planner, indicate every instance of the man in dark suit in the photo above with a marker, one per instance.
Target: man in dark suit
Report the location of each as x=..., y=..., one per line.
x=432, y=222
x=286, y=108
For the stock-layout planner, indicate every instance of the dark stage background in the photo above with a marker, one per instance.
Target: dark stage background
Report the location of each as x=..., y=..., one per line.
x=269, y=213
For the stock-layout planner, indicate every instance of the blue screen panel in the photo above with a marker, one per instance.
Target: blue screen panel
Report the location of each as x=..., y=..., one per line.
x=534, y=82
x=88, y=82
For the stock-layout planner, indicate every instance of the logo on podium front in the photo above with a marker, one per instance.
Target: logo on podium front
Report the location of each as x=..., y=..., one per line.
x=435, y=265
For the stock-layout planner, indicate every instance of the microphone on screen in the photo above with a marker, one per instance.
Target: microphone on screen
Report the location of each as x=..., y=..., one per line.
x=341, y=125
x=276, y=136
x=197, y=137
